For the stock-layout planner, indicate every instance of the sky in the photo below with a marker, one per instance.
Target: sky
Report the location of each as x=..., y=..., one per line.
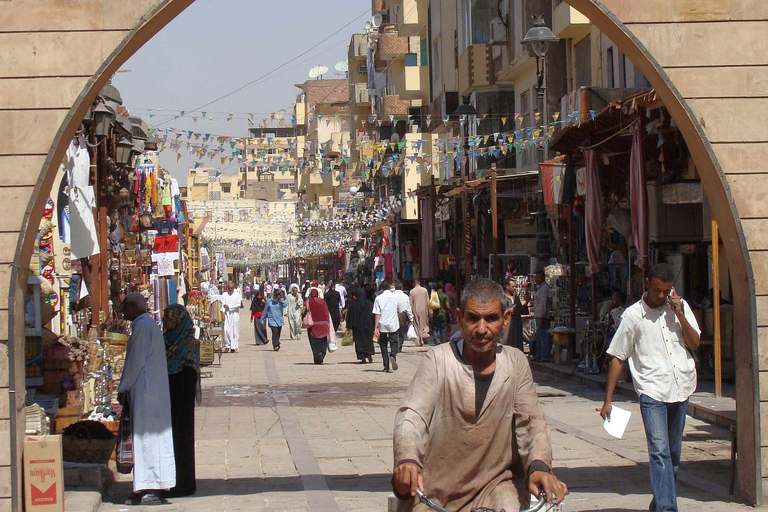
x=217, y=46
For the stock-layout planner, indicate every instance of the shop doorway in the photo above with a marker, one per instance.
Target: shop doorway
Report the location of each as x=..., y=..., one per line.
x=160, y=12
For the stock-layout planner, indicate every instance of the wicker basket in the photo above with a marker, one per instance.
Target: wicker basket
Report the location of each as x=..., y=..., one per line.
x=93, y=451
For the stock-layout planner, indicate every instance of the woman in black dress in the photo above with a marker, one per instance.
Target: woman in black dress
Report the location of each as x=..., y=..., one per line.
x=257, y=309
x=515, y=333
x=360, y=322
x=333, y=299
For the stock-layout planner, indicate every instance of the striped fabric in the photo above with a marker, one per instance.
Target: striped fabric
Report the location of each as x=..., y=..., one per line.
x=638, y=197
x=593, y=211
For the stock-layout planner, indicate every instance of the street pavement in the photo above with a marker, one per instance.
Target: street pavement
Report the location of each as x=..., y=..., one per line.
x=278, y=433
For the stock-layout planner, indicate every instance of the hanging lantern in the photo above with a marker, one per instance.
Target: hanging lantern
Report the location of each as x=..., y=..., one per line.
x=103, y=117
x=124, y=149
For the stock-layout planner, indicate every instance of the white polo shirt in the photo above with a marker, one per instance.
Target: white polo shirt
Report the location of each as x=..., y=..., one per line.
x=651, y=340
x=388, y=305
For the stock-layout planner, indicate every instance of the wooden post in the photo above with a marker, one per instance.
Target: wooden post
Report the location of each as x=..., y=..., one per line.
x=467, y=239
x=494, y=225
x=95, y=274
x=572, y=265
x=716, y=306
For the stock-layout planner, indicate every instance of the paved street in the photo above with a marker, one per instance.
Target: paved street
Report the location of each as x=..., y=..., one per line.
x=278, y=433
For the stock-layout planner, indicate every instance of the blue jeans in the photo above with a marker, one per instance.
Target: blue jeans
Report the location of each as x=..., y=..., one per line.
x=664, y=424
x=439, y=329
x=388, y=339
x=543, y=340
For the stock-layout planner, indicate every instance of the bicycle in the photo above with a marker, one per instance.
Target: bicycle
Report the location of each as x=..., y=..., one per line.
x=537, y=507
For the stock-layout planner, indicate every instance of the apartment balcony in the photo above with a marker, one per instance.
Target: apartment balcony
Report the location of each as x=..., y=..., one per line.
x=394, y=105
x=309, y=178
x=476, y=69
x=416, y=83
x=568, y=23
x=358, y=47
x=413, y=19
x=391, y=45
x=358, y=94
x=331, y=179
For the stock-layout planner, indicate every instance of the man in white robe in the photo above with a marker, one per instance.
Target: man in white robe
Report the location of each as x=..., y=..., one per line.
x=230, y=306
x=145, y=381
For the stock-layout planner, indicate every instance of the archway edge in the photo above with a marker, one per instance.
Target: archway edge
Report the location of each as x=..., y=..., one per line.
x=726, y=213
x=158, y=14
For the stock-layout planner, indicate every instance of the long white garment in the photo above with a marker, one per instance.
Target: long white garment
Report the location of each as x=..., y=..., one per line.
x=82, y=200
x=145, y=378
x=231, y=319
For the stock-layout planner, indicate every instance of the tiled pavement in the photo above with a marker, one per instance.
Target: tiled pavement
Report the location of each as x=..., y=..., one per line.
x=278, y=433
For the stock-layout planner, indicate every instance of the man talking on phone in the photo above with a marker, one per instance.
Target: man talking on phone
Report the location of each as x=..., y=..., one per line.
x=658, y=335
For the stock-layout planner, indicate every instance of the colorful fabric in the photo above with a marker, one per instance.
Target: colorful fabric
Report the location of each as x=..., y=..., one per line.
x=181, y=347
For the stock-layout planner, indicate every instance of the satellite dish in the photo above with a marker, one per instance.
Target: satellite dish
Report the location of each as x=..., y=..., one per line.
x=353, y=189
x=317, y=71
x=342, y=66
x=280, y=114
x=368, y=26
x=376, y=21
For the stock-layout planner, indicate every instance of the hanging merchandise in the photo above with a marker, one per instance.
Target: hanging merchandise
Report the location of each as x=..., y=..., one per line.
x=82, y=200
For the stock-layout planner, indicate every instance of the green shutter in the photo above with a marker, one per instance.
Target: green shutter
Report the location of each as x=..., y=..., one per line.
x=423, y=52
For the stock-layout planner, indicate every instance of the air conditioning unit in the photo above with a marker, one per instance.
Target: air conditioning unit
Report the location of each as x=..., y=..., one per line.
x=362, y=69
x=498, y=31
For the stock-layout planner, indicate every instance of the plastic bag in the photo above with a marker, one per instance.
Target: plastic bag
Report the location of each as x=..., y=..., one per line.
x=434, y=301
x=411, y=334
x=332, y=345
x=348, y=339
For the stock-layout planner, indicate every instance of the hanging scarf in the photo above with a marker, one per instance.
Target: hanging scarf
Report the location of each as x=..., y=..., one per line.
x=181, y=347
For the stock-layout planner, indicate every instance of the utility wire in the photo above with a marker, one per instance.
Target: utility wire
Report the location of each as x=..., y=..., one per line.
x=366, y=11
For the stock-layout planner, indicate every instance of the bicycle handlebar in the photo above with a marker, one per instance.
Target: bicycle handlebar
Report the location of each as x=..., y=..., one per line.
x=434, y=506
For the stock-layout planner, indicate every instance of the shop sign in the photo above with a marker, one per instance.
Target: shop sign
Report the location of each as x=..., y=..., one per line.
x=520, y=245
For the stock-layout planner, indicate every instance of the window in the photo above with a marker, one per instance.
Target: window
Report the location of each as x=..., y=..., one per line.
x=226, y=188
x=623, y=70
x=477, y=22
x=525, y=107
x=609, y=69
x=411, y=59
x=582, y=54
x=423, y=43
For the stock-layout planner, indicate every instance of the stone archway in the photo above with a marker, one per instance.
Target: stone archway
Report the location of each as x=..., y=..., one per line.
x=59, y=55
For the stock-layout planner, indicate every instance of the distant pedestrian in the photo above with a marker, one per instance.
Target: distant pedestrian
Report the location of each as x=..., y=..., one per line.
x=407, y=318
x=386, y=323
x=230, y=306
x=515, y=334
x=321, y=328
x=360, y=322
x=273, y=316
x=419, y=299
x=333, y=299
x=257, y=311
x=145, y=382
x=657, y=336
x=541, y=313
x=294, y=306
x=183, y=353
x=440, y=316
x=453, y=298
x=247, y=292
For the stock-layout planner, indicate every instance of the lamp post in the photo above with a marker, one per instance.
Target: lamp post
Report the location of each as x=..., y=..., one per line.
x=467, y=109
x=539, y=37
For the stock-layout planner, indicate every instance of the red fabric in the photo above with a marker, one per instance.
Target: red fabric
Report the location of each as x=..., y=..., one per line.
x=388, y=270
x=593, y=212
x=547, y=183
x=320, y=315
x=638, y=197
x=166, y=243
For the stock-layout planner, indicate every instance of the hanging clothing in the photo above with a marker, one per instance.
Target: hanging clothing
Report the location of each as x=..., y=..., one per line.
x=294, y=314
x=360, y=322
x=230, y=308
x=145, y=379
x=82, y=200
x=593, y=212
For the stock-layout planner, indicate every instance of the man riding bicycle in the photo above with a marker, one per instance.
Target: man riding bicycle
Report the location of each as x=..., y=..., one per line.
x=470, y=432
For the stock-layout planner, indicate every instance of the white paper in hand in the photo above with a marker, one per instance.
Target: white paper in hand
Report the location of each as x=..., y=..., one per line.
x=618, y=423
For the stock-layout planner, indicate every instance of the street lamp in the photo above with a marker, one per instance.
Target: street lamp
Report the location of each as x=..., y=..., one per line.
x=467, y=109
x=539, y=37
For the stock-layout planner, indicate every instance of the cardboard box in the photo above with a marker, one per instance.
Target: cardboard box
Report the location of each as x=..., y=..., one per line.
x=43, y=474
